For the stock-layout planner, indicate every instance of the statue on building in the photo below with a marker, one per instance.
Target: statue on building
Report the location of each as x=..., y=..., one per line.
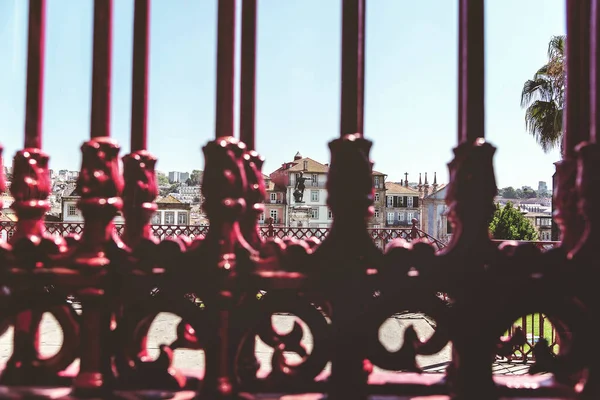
x=299, y=188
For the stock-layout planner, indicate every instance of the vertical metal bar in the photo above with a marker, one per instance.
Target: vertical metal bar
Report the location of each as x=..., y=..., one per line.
x=35, y=74
x=577, y=95
x=225, y=68
x=595, y=70
x=248, y=74
x=353, y=66
x=471, y=71
x=139, y=90
x=101, y=73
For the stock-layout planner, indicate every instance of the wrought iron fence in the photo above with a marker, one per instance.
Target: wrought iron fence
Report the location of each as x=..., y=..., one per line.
x=343, y=288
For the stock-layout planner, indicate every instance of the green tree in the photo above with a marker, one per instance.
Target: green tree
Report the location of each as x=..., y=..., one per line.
x=508, y=192
x=528, y=192
x=162, y=179
x=195, y=178
x=508, y=223
x=543, y=97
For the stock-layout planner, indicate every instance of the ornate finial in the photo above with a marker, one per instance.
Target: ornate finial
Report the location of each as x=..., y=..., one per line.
x=588, y=188
x=435, y=179
x=420, y=181
x=30, y=188
x=223, y=186
x=2, y=178
x=255, y=197
x=566, y=213
x=138, y=196
x=350, y=200
x=100, y=185
x=426, y=182
x=470, y=196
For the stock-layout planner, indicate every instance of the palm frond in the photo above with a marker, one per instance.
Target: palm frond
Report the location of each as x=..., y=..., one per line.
x=537, y=89
x=543, y=120
x=556, y=47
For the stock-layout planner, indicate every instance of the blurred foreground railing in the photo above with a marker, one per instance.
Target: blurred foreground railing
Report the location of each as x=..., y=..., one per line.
x=342, y=291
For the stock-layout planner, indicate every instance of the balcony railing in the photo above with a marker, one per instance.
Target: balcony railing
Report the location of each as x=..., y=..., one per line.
x=228, y=283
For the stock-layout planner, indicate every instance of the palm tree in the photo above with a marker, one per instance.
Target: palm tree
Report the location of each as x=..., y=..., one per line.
x=543, y=97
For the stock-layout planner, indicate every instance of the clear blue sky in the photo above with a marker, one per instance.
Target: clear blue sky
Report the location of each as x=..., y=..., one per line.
x=411, y=81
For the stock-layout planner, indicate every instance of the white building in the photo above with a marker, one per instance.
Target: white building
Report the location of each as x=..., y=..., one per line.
x=171, y=212
x=187, y=194
x=175, y=176
x=70, y=212
x=315, y=192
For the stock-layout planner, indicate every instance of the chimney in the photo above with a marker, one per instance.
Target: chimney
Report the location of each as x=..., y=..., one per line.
x=406, y=179
x=420, y=185
x=435, y=185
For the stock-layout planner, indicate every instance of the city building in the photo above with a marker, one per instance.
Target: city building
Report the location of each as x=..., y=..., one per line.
x=379, y=201
x=309, y=209
x=434, y=220
x=188, y=194
x=70, y=212
x=175, y=176
x=275, y=203
x=541, y=218
x=171, y=212
x=402, y=204
x=542, y=188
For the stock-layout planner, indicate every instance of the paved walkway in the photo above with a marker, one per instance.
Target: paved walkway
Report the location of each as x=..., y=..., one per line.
x=163, y=331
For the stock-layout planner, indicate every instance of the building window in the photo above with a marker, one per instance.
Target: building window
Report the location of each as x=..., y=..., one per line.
x=273, y=214
x=376, y=197
x=273, y=196
x=182, y=218
x=390, y=201
x=314, y=213
x=169, y=217
x=401, y=217
x=409, y=216
x=376, y=213
x=390, y=218
x=156, y=218
x=314, y=195
x=376, y=182
x=72, y=210
x=315, y=180
x=409, y=201
x=329, y=214
x=261, y=217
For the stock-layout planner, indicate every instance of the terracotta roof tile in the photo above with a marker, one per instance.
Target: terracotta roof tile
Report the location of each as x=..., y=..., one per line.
x=311, y=166
x=396, y=188
x=168, y=200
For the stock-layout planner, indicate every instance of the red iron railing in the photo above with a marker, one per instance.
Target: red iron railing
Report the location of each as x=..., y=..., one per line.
x=343, y=288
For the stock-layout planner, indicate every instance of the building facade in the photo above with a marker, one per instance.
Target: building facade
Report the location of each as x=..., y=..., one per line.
x=309, y=210
x=434, y=209
x=379, y=201
x=402, y=204
x=171, y=212
x=275, y=204
x=70, y=213
x=176, y=176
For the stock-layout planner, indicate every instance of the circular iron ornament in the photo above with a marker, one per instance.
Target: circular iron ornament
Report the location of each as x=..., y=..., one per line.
x=385, y=307
x=303, y=308
x=573, y=326
x=132, y=331
x=66, y=317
